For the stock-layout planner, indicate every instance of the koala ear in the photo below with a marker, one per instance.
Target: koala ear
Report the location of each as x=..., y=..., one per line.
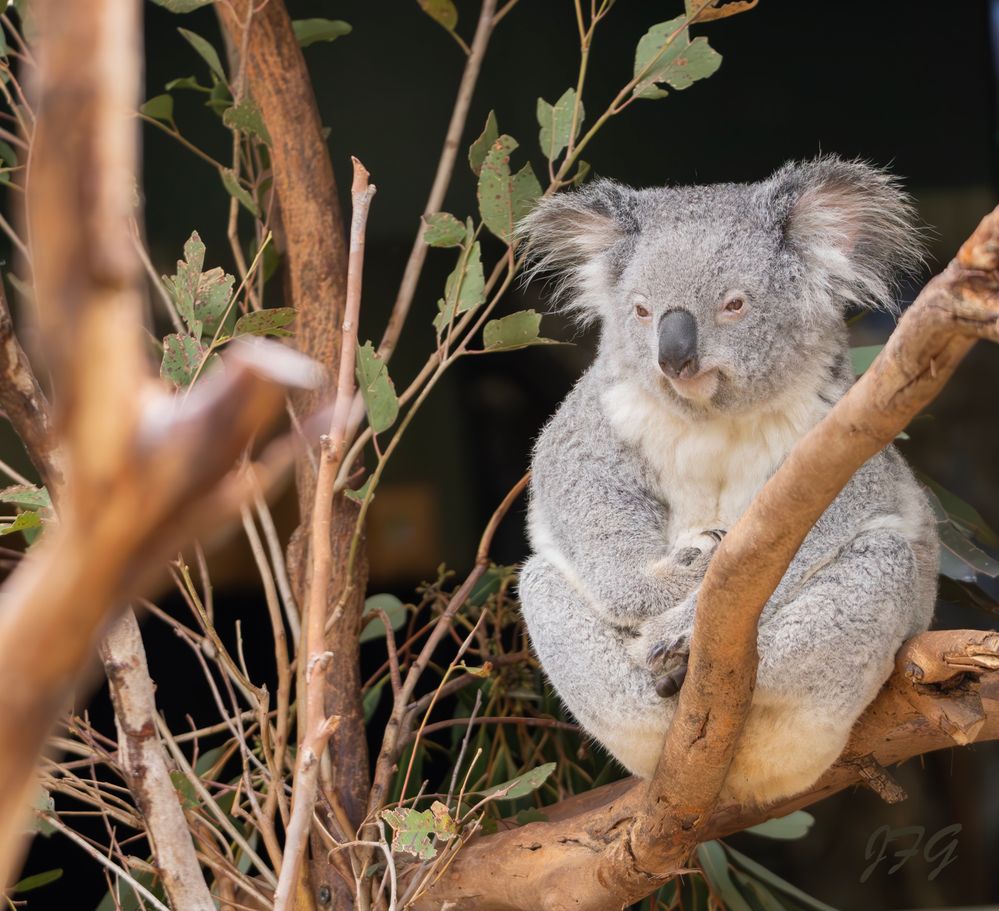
x=853, y=227
x=567, y=234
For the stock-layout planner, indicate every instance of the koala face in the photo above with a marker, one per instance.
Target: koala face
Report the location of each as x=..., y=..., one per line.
x=722, y=297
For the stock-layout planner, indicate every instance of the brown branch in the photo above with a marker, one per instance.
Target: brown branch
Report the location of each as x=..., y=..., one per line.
x=318, y=725
x=144, y=472
x=619, y=853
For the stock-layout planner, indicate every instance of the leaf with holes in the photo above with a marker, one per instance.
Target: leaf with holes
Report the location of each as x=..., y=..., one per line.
x=310, y=31
x=477, y=150
x=464, y=289
x=504, y=199
x=183, y=285
x=443, y=230
x=376, y=387
x=23, y=522
x=518, y=330
x=375, y=628
x=182, y=356
x=205, y=51
x=556, y=124
x=520, y=786
x=443, y=12
x=212, y=299
x=665, y=54
x=160, y=108
x=265, y=322
x=414, y=831
x=236, y=190
x=246, y=118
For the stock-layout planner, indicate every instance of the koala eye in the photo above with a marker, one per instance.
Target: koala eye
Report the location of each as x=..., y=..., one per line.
x=643, y=313
x=734, y=306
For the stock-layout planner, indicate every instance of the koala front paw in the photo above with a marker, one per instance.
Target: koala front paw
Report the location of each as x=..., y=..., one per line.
x=668, y=660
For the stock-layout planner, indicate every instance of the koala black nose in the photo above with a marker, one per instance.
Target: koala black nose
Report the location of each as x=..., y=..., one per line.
x=678, y=344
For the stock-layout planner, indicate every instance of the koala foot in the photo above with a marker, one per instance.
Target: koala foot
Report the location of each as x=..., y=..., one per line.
x=668, y=659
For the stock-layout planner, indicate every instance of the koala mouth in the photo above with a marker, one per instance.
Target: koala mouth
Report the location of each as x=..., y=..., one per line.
x=698, y=388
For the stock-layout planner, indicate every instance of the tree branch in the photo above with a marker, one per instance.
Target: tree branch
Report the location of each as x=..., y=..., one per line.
x=620, y=852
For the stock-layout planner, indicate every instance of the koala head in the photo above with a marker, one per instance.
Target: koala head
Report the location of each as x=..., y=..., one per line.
x=722, y=297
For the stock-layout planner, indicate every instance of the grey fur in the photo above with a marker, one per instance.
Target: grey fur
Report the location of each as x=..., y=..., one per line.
x=633, y=471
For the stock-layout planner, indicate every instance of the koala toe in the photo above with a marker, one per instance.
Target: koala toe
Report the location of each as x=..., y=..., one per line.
x=668, y=652
x=669, y=684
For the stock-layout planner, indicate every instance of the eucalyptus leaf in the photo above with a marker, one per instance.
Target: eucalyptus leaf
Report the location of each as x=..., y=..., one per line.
x=765, y=899
x=665, y=54
x=711, y=857
x=182, y=6
x=310, y=31
x=377, y=389
x=235, y=189
x=964, y=550
x=520, y=786
x=518, y=330
x=182, y=355
x=375, y=629
x=205, y=51
x=504, y=199
x=26, y=496
x=372, y=698
x=265, y=322
x=159, y=107
x=414, y=831
x=863, y=356
x=464, y=289
x=183, y=285
x=24, y=520
x=187, y=82
x=35, y=882
x=212, y=299
x=247, y=118
x=361, y=494
x=773, y=881
x=442, y=229
x=443, y=12
x=477, y=150
x=785, y=828
x=556, y=124
x=7, y=154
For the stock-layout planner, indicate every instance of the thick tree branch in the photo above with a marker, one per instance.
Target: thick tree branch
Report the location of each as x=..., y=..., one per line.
x=621, y=852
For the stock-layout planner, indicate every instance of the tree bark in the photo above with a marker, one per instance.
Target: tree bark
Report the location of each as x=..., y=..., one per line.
x=618, y=853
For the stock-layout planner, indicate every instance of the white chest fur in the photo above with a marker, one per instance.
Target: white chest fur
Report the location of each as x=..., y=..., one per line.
x=708, y=470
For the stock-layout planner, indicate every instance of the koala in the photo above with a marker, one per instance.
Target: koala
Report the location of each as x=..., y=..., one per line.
x=722, y=342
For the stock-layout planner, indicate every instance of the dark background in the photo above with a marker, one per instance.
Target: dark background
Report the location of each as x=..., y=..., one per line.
x=907, y=85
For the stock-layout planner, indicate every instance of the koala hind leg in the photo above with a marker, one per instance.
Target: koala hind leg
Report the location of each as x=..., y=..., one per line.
x=825, y=651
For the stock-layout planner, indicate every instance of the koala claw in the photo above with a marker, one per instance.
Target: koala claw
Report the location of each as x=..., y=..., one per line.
x=666, y=651
x=716, y=533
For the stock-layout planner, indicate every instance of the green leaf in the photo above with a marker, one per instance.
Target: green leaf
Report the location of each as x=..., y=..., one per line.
x=962, y=514
x=309, y=31
x=520, y=786
x=27, y=496
x=372, y=698
x=960, y=547
x=477, y=150
x=265, y=322
x=36, y=881
x=518, y=330
x=582, y=172
x=182, y=356
x=182, y=6
x=414, y=831
x=464, y=289
x=786, y=828
x=556, y=124
x=441, y=11
x=863, y=356
x=376, y=388
x=24, y=520
x=361, y=494
x=527, y=816
x=219, y=98
x=443, y=230
x=187, y=82
x=7, y=154
x=183, y=285
x=505, y=200
x=43, y=803
x=772, y=880
x=235, y=189
x=159, y=108
x=765, y=899
x=392, y=606
x=205, y=51
x=666, y=54
x=247, y=118
x=183, y=786
x=212, y=299
x=715, y=866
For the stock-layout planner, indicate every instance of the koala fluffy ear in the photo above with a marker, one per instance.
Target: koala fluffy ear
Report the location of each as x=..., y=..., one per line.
x=853, y=227
x=567, y=234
